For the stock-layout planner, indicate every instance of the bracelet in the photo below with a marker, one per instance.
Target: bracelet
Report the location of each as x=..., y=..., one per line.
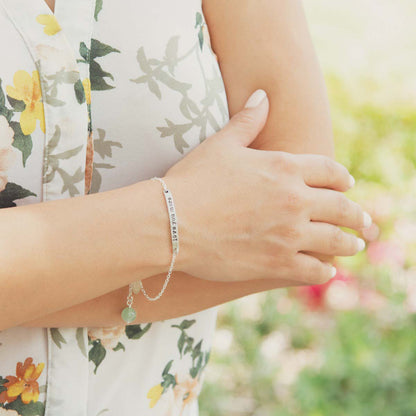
x=129, y=314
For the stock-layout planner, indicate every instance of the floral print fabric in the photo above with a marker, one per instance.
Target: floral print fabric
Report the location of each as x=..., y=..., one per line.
x=95, y=96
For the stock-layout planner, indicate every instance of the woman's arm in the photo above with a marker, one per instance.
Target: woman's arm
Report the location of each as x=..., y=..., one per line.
x=266, y=44
x=259, y=44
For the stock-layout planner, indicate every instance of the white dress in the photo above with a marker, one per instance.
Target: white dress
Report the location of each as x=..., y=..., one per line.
x=97, y=96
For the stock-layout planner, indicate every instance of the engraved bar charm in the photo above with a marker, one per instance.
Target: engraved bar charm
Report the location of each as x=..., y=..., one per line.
x=172, y=219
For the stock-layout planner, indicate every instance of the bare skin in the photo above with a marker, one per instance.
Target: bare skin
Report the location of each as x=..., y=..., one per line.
x=286, y=129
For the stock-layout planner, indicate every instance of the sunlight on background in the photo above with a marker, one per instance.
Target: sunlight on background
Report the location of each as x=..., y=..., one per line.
x=347, y=347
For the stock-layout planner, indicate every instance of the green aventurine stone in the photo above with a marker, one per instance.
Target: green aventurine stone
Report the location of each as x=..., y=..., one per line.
x=128, y=314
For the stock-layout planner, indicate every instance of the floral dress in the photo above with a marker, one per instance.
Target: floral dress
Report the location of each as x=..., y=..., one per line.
x=99, y=95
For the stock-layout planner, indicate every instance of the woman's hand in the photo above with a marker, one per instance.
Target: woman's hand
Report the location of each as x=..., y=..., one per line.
x=250, y=214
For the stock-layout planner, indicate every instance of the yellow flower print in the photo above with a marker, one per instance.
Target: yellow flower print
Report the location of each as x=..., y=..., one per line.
x=87, y=88
x=27, y=89
x=50, y=22
x=154, y=394
x=24, y=384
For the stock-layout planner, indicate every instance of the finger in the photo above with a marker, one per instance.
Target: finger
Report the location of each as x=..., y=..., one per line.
x=312, y=271
x=330, y=240
x=335, y=208
x=323, y=257
x=245, y=126
x=323, y=172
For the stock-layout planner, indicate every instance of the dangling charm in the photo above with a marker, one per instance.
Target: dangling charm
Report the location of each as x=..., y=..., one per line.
x=129, y=314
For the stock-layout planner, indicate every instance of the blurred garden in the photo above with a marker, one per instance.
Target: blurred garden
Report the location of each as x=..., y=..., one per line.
x=347, y=347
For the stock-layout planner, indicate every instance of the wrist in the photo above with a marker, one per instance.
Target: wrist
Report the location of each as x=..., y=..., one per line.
x=153, y=227
x=180, y=202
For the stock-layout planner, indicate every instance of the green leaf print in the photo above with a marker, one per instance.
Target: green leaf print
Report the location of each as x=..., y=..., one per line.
x=181, y=342
x=199, y=22
x=185, y=340
x=186, y=346
x=201, y=38
x=119, y=346
x=157, y=74
x=51, y=83
x=104, y=147
x=136, y=331
x=102, y=411
x=84, y=52
x=99, y=49
x=2, y=382
x=57, y=337
x=177, y=130
x=4, y=111
x=18, y=105
x=81, y=341
x=185, y=324
x=97, y=74
x=30, y=409
x=79, y=91
x=168, y=380
x=96, y=354
x=98, y=7
x=167, y=368
x=11, y=192
x=71, y=180
x=21, y=141
x=198, y=19
x=52, y=167
x=171, y=53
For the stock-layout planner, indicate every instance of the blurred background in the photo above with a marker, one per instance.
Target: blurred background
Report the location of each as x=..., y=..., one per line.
x=347, y=347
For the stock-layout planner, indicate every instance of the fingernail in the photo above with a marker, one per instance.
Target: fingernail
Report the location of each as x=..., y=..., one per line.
x=367, y=220
x=360, y=244
x=255, y=99
x=333, y=271
x=352, y=181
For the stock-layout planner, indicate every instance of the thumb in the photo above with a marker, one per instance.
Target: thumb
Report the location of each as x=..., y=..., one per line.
x=245, y=125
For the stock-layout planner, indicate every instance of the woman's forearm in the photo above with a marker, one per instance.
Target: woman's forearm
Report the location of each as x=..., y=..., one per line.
x=62, y=253
x=184, y=295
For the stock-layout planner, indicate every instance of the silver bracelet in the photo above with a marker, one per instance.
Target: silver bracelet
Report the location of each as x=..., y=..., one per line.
x=129, y=314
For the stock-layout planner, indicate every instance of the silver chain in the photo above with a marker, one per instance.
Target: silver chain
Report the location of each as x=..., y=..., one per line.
x=175, y=245
x=130, y=296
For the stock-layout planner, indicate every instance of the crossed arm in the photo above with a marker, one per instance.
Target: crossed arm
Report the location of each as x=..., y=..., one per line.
x=259, y=44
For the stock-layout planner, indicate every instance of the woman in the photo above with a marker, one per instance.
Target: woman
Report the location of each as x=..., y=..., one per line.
x=98, y=96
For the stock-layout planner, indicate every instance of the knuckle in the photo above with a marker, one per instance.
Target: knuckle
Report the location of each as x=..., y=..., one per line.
x=344, y=172
x=275, y=263
x=329, y=169
x=359, y=215
x=336, y=239
x=244, y=118
x=294, y=201
x=344, y=208
x=286, y=163
x=291, y=233
x=352, y=244
x=316, y=274
x=322, y=276
x=310, y=273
